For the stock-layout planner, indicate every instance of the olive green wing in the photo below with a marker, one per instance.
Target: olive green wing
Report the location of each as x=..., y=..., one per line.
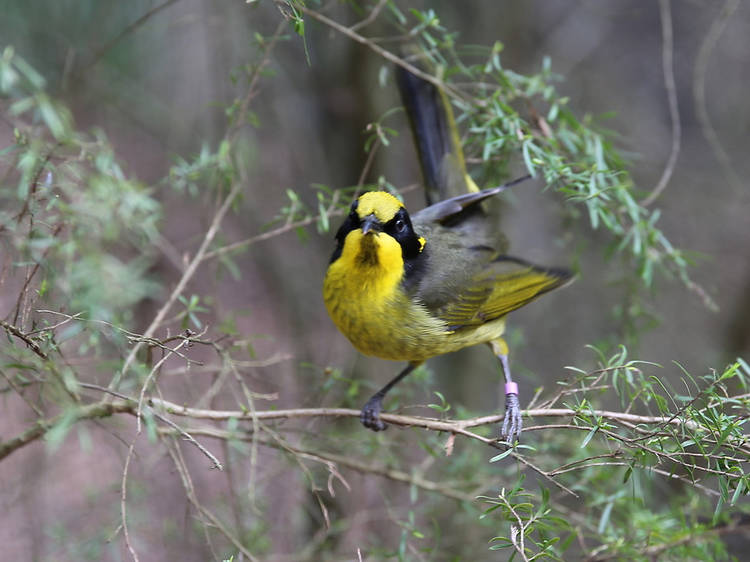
x=503, y=286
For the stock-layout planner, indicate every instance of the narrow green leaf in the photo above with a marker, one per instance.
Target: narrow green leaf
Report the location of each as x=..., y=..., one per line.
x=501, y=456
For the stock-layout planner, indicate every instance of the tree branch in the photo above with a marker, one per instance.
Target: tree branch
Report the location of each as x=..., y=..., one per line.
x=129, y=405
x=11, y=329
x=91, y=411
x=181, y=284
x=387, y=55
x=127, y=31
x=326, y=457
x=674, y=112
x=449, y=426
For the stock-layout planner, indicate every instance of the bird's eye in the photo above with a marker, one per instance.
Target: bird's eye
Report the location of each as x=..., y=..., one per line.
x=400, y=225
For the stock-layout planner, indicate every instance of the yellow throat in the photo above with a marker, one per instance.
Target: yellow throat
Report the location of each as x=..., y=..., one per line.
x=362, y=283
x=362, y=286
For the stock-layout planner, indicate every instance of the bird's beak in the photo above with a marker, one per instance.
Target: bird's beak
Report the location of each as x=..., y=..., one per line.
x=370, y=223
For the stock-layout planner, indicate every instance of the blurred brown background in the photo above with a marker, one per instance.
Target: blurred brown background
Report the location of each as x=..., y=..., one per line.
x=160, y=92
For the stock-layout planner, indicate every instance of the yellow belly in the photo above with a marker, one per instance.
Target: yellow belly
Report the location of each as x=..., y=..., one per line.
x=368, y=306
x=391, y=329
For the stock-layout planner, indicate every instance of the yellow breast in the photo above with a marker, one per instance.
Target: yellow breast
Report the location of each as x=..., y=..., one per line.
x=363, y=295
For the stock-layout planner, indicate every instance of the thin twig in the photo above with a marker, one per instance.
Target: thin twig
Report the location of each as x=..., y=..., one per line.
x=68, y=318
x=213, y=228
x=125, y=32
x=241, y=116
x=517, y=530
x=331, y=211
x=387, y=55
x=182, y=283
x=368, y=164
x=152, y=374
x=699, y=92
x=131, y=336
x=175, y=453
x=186, y=434
x=187, y=482
x=19, y=391
x=652, y=551
x=36, y=348
x=256, y=427
x=10, y=328
x=371, y=17
x=214, y=368
x=672, y=475
x=124, y=497
x=264, y=236
x=126, y=399
x=215, y=462
x=326, y=457
x=667, y=52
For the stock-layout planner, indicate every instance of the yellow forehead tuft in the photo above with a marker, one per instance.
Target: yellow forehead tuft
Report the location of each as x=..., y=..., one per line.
x=380, y=203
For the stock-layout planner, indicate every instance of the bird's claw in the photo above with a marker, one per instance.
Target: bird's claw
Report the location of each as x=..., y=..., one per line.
x=370, y=415
x=512, y=422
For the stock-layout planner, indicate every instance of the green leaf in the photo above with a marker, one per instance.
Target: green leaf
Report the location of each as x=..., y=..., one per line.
x=502, y=455
x=589, y=436
x=54, y=120
x=56, y=435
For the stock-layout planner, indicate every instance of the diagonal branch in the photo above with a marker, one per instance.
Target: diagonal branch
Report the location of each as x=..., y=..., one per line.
x=181, y=284
x=326, y=457
x=42, y=427
x=387, y=55
x=127, y=31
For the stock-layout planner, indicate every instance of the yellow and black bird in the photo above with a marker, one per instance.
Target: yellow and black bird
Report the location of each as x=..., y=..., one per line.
x=408, y=288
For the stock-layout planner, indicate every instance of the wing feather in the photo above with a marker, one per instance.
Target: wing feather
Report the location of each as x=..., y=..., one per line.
x=505, y=285
x=444, y=210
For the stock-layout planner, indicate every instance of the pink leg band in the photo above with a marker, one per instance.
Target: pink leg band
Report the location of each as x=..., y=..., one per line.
x=511, y=388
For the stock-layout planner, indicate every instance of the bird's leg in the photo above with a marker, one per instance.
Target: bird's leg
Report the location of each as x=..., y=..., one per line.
x=370, y=416
x=512, y=423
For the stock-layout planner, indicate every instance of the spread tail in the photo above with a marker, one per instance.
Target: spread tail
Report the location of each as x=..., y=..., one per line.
x=436, y=138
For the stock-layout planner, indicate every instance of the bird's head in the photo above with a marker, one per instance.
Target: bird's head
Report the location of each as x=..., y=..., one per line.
x=378, y=231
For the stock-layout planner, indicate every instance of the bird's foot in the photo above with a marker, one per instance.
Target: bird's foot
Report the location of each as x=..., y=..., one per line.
x=370, y=415
x=512, y=422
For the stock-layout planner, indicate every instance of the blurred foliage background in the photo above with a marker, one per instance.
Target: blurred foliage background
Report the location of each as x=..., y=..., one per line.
x=123, y=128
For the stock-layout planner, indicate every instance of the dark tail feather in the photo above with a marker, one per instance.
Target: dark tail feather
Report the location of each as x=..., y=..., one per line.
x=435, y=137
